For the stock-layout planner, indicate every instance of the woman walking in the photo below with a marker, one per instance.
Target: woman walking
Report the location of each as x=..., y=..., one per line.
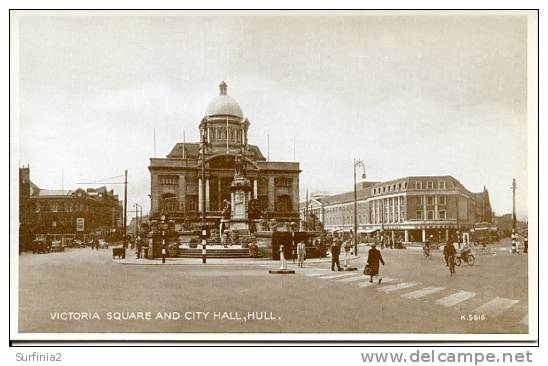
x=372, y=267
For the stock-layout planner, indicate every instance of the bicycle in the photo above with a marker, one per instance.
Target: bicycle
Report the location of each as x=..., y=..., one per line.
x=466, y=257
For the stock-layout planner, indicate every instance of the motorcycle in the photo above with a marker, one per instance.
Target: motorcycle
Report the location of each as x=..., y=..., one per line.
x=465, y=256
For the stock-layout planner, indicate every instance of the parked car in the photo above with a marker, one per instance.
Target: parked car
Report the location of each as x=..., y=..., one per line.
x=78, y=244
x=41, y=246
x=57, y=246
x=103, y=244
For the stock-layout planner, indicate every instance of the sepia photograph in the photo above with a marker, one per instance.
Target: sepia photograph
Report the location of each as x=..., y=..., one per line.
x=274, y=175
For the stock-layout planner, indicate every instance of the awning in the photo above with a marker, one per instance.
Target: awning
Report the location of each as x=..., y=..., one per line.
x=368, y=231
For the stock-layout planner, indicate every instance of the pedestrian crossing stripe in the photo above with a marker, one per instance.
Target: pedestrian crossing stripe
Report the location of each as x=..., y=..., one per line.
x=455, y=298
x=495, y=307
x=399, y=286
x=315, y=274
x=351, y=279
x=422, y=292
x=340, y=275
x=367, y=283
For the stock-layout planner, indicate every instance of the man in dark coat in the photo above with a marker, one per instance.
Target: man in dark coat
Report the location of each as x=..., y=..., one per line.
x=335, y=251
x=449, y=252
x=373, y=258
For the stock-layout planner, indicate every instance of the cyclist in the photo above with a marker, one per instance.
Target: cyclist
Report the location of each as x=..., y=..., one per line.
x=426, y=249
x=449, y=253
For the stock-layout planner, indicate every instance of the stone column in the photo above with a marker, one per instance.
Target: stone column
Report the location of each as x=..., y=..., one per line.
x=399, y=208
x=207, y=194
x=425, y=213
x=271, y=194
x=446, y=234
x=155, y=194
x=423, y=235
x=295, y=195
x=436, y=207
x=200, y=194
x=406, y=235
x=182, y=192
x=393, y=209
x=255, y=188
x=219, y=199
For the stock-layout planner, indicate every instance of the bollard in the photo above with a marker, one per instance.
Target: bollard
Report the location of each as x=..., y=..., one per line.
x=283, y=265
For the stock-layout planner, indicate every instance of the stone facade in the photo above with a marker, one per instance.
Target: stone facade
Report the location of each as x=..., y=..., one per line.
x=412, y=208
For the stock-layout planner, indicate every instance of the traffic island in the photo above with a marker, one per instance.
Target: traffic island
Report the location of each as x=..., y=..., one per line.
x=281, y=271
x=283, y=266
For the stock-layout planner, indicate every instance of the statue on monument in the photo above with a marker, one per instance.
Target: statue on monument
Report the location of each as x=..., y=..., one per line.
x=226, y=210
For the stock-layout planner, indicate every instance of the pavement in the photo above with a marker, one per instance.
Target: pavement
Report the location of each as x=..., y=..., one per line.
x=417, y=295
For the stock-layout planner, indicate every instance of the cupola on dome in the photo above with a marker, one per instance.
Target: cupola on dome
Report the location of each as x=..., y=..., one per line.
x=224, y=105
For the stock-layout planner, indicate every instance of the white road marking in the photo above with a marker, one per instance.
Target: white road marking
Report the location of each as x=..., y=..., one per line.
x=525, y=320
x=399, y=286
x=340, y=275
x=422, y=292
x=314, y=274
x=376, y=283
x=455, y=298
x=495, y=307
x=352, y=279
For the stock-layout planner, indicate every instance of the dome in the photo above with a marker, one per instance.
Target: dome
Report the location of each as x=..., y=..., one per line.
x=224, y=104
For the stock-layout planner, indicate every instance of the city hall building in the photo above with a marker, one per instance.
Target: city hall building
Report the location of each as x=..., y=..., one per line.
x=176, y=180
x=406, y=209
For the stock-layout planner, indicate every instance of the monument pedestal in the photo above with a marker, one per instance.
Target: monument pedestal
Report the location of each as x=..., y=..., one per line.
x=240, y=197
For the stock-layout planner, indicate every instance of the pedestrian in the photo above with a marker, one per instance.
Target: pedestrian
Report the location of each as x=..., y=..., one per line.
x=372, y=267
x=347, y=248
x=301, y=253
x=448, y=252
x=335, y=251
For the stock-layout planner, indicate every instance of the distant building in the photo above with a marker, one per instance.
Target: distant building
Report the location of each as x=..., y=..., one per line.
x=176, y=181
x=69, y=213
x=504, y=225
x=408, y=209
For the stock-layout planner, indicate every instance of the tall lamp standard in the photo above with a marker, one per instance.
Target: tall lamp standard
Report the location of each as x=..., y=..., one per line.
x=203, y=188
x=357, y=162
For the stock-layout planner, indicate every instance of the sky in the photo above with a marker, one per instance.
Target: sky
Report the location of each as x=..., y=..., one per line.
x=409, y=95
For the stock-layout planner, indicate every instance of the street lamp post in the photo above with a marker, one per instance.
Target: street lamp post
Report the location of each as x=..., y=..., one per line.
x=203, y=188
x=357, y=162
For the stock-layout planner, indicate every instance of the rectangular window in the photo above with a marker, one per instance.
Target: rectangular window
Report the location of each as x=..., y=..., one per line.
x=419, y=215
x=429, y=185
x=192, y=202
x=430, y=215
x=429, y=200
x=441, y=184
x=419, y=200
x=399, y=186
x=169, y=180
x=441, y=215
x=418, y=185
x=442, y=200
x=283, y=182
